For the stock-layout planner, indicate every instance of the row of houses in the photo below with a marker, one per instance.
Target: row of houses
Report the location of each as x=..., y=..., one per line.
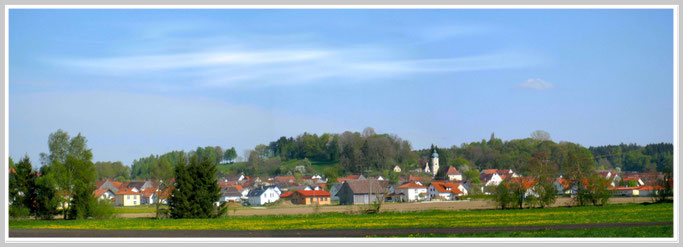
x=130, y=193
x=357, y=189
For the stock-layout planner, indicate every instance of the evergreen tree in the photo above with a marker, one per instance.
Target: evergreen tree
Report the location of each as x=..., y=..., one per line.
x=22, y=188
x=179, y=203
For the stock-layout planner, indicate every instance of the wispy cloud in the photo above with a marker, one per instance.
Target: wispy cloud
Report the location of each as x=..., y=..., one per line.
x=536, y=84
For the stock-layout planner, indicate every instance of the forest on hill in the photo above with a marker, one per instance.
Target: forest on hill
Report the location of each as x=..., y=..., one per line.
x=371, y=153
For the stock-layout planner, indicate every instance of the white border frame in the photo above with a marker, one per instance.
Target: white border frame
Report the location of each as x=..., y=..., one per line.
x=675, y=239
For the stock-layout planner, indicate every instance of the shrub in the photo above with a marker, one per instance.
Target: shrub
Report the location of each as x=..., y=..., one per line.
x=18, y=211
x=593, y=190
x=102, y=209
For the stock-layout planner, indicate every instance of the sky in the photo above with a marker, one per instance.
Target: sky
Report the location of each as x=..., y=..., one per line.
x=141, y=82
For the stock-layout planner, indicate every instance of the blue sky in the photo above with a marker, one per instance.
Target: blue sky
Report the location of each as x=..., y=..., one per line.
x=141, y=82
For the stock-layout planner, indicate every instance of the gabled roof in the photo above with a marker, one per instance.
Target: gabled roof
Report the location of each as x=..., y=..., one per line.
x=98, y=193
x=230, y=191
x=259, y=191
x=312, y=193
x=564, y=182
x=148, y=192
x=287, y=194
x=489, y=171
x=127, y=191
x=410, y=185
x=446, y=187
x=452, y=171
x=367, y=186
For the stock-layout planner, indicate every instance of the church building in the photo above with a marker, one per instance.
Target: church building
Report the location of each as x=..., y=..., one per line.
x=435, y=164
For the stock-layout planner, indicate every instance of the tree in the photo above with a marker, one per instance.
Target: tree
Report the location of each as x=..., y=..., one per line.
x=22, y=188
x=540, y=135
x=230, y=155
x=163, y=173
x=368, y=132
x=84, y=176
x=46, y=195
x=503, y=196
x=179, y=203
x=196, y=190
x=70, y=164
x=593, y=190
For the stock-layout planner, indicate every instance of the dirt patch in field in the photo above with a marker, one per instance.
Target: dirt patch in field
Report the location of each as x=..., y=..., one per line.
x=62, y=233
x=398, y=207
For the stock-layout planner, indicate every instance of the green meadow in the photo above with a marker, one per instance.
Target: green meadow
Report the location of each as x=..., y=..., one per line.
x=662, y=212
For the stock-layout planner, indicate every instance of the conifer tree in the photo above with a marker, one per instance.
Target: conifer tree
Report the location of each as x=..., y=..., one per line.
x=179, y=203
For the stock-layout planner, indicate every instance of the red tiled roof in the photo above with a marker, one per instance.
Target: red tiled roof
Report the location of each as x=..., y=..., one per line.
x=452, y=171
x=126, y=191
x=98, y=193
x=352, y=177
x=441, y=186
x=564, y=182
x=287, y=194
x=322, y=185
x=490, y=171
x=623, y=188
x=284, y=178
x=310, y=193
x=410, y=185
x=149, y=191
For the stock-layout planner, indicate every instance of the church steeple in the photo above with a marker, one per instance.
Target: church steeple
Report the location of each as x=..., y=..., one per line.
x=435, y=162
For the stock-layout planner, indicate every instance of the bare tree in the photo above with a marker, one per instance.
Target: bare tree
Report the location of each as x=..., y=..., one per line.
x=368, y=132
x=540, y=135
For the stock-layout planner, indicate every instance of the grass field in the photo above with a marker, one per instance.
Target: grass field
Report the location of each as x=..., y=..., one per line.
x=462, y=218
x=623, y=232
x=137, y=209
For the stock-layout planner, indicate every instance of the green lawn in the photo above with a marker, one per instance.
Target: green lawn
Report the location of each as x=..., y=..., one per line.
x=623, y=232
x=465, y=218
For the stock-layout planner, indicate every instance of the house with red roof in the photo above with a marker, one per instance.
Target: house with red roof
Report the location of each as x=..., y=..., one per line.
x=411, y=191
x=127, y=197
x=309, y=197
x=446, y=190
x=104, y=194
x=453, y=174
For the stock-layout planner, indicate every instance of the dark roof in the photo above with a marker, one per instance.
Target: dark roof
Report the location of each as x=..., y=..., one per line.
x=231, y=191
x=232, y=177
x=366, y=186
x=137, y=184
x=258, y=191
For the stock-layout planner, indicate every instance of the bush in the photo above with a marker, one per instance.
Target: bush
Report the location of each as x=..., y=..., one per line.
x=102, y=209
x=18, y=211
x=593, y=190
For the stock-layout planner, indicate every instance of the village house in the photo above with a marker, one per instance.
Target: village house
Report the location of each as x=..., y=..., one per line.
x=446, y=190
x=649, y=190
x=562, y=186
x=638, y=181
x=230, y=194
x=263, y=195
x=363, y=191
x=148, y=196
x=104, y=194
x=453, y=174
x=412, y=191
x=625, y=191
x=490, y=179
x=308, y=197
x=127, y=197
x=397, y=168
x=333, y=191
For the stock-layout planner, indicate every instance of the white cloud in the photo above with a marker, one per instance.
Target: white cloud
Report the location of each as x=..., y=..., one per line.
x=536, y=84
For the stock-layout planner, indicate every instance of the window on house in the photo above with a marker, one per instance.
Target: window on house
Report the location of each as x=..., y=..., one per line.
x=128, y=197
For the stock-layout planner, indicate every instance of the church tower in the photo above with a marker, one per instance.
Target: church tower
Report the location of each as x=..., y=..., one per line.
x=435, y=162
